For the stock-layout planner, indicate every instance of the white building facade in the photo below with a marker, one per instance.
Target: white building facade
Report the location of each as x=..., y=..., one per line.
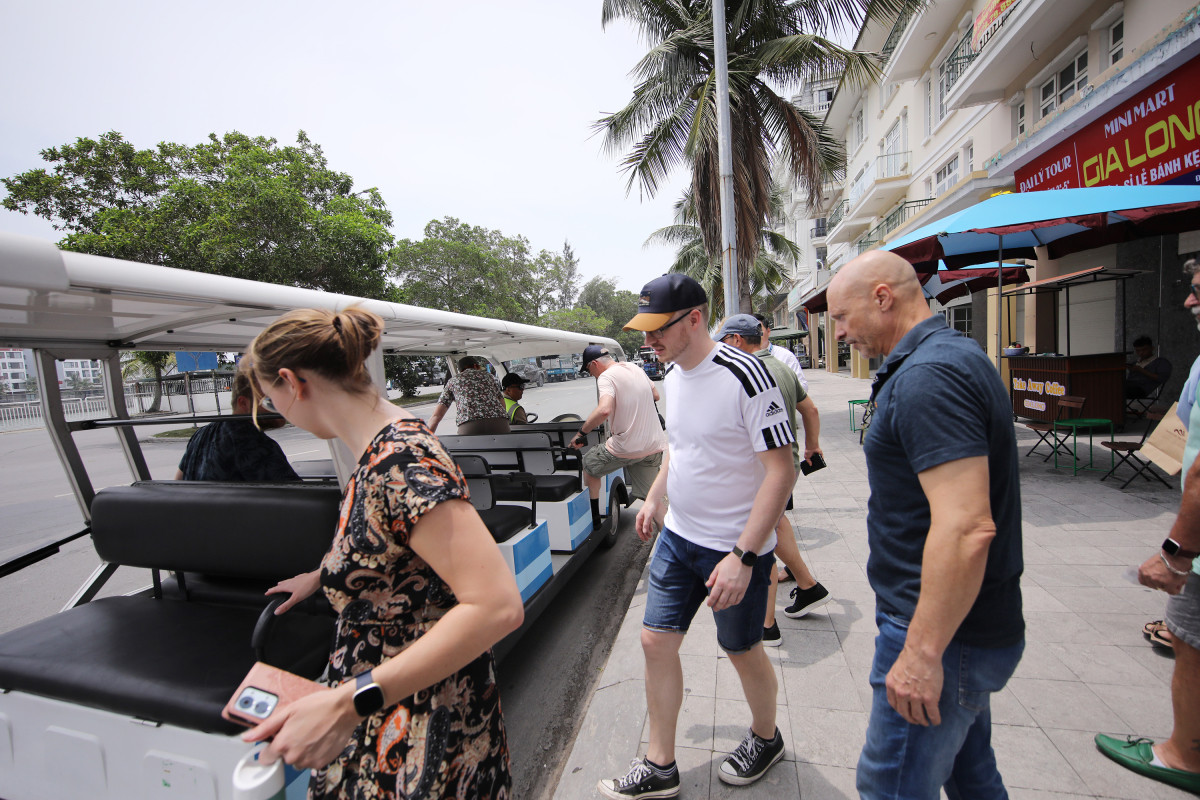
x=984, y=96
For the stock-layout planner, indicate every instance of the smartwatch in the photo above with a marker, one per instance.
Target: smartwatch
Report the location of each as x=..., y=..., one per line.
x=368, y=695
x=1173, y=548
x=748, y=559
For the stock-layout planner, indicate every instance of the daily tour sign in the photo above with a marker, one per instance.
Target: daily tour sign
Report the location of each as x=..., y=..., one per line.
x=1151, y=138
x=989, y=21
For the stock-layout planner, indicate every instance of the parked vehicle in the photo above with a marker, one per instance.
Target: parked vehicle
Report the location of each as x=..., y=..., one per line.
x=560, y=368
x=130, y=706
x=533, y=375
x=650, y=364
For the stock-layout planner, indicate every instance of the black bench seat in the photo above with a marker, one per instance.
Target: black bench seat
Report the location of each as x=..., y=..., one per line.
x=177, y=656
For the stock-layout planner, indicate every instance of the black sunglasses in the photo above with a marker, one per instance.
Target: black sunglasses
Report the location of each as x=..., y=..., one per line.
x=658, y=333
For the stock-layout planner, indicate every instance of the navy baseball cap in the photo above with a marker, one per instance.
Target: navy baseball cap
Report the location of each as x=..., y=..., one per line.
x=741, y=324
x=662, y=297
x=512, y=379
x=590, y=354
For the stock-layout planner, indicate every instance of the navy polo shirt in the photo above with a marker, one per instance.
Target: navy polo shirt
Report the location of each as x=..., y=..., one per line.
x=937, y=399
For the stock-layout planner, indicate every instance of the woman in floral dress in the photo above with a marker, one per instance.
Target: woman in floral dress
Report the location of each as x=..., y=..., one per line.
x=420, y=588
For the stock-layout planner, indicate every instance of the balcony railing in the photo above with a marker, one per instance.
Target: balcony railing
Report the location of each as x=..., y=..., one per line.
x=818, y=231
x=892, y=165
x=958, y=62
x=866, y=243
x=899, y=215
x=838, y=212
x=859, y=187
x=893, y=38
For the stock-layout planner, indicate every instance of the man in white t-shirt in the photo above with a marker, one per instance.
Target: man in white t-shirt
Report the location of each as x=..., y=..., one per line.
x=635, y=440
x=728, y=471
x=782, y=353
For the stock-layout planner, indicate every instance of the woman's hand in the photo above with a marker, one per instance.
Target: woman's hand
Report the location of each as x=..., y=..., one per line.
x=300, y=587
x=309, y=732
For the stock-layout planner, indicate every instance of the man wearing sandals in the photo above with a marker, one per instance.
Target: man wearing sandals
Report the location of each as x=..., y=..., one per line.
x=1175, y=569
x=944, y=529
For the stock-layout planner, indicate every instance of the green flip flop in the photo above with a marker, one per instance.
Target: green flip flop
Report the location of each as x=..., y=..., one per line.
x=1136, y=755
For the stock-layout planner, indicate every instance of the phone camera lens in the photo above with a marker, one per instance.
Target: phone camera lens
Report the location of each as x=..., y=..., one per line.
x=245, y=702
x=261, y=707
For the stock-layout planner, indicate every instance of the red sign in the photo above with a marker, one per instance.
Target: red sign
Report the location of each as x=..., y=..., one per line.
x=988, y=21
x=1152, y=138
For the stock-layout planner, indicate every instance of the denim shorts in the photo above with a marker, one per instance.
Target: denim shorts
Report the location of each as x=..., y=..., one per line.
x=1183, y=612
x=678, y=572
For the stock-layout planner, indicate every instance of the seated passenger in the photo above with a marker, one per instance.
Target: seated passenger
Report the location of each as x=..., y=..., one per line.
x=1148, y=372
x=513, y=387
x=236, y=450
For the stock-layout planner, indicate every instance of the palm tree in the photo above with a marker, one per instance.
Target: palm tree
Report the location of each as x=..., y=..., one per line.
x=776, y=254
x=672, y=117
x=142, y=363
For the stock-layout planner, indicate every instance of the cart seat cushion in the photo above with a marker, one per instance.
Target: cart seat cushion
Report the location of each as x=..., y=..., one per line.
x=505, y=522
x=165, y=660
x=550, y=488
x=257, y=531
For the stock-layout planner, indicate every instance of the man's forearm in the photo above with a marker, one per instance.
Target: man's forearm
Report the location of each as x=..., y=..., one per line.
x=770, y=499
x=952, y=569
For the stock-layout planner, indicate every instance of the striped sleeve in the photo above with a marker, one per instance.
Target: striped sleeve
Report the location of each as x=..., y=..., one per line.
x=763, y=407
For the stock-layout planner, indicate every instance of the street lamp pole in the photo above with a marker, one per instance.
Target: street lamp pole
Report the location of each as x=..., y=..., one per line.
x=729, y=273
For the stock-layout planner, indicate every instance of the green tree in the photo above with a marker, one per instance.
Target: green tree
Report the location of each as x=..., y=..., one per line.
x=577, y=320
x=463, y=268
x=233, y=205
x=776, y=254
x=773, y=46
x=149, y=365
x=616, y=305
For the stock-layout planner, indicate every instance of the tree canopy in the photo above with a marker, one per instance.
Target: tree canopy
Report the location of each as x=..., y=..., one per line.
x=475, y=270
x=232, y=205
x=618, y=306
x=773, y=46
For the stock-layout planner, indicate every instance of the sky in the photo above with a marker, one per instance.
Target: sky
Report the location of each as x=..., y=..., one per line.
x=476, y=109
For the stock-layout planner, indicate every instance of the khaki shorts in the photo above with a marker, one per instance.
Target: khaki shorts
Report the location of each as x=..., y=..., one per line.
x=639, y=472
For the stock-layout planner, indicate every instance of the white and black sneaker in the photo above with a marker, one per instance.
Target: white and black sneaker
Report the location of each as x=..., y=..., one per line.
x=771, y=636
x=643, y=780
x=805, y=600
x=752, y=758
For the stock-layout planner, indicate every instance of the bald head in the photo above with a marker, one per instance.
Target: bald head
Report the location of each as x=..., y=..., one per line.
x=874, y=267
x=874, y=300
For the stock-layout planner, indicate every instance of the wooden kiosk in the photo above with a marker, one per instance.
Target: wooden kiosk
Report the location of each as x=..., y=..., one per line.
x=1038, y=380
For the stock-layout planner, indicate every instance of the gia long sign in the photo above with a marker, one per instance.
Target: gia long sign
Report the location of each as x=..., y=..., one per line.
x=1152, y=138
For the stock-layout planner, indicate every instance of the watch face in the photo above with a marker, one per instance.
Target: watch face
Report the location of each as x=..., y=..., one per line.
x=1170, y=546
x=368, y=700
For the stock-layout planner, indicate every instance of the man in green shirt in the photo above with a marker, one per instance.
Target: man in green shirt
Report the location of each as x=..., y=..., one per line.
x=743, y=332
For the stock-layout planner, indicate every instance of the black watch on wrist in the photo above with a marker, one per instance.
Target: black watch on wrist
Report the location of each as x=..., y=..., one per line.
x=1173, y=548
x=368, y=695
x=748, y=559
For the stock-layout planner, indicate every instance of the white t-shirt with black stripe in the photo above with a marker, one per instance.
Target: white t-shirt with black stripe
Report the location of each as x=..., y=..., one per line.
x=720, y=414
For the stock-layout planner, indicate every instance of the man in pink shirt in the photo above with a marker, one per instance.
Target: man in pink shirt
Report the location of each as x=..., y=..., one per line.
x=635, y=436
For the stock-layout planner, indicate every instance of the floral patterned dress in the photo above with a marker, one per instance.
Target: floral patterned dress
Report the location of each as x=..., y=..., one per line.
x=446, y=741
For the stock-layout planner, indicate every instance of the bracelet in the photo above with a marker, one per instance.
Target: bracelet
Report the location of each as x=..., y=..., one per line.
x=1180, y=573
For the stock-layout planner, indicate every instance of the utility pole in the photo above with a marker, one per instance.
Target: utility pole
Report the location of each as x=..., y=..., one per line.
x=729, y=270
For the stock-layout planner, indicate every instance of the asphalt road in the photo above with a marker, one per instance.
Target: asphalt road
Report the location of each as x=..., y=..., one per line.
x=545, y=681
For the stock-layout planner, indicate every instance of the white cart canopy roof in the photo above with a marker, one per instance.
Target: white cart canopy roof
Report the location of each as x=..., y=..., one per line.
x=57, y=300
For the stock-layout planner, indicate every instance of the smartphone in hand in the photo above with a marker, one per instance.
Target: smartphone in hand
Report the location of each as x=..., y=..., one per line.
x=813, y=464
x=264, y=690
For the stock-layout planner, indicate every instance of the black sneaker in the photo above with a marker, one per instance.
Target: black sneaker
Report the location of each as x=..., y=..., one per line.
x=751, y=760
x=771, y=636
x=787, y=575
x=642, y=780
x=805, y=600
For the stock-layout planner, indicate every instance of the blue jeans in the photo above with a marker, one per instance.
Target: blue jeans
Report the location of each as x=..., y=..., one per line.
x=902, y=761
x=678, y=573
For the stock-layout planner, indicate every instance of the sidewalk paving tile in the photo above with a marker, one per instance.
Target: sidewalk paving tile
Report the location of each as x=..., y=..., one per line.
x=1087, y=667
